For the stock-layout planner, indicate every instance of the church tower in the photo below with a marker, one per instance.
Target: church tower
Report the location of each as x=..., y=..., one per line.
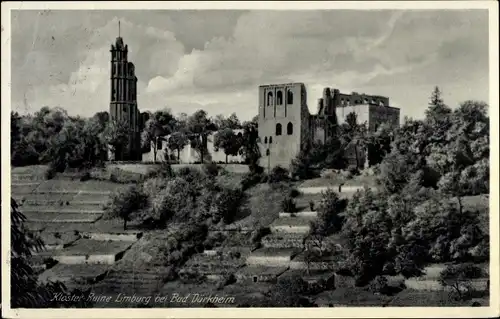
x=123, y=105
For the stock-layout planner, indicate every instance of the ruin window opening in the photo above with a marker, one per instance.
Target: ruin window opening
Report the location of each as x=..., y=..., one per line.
x=254, y=278
x=279, y=98
x=270, y=139
x=278, y=129
x=267, y=152
x=289, y=97
x=265, y=140
x=269, y=98
x=289, y=128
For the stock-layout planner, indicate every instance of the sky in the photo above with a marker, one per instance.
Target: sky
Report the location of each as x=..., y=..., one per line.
x=215, y=60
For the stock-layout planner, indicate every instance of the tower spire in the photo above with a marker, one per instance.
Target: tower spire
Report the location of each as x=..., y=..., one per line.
x=119, y=28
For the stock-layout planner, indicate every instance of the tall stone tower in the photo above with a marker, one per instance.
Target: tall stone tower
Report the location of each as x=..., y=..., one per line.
x=123, y=105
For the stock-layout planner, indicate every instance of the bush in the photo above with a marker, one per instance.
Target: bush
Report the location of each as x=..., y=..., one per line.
x=211, y=169
x=258, y=233
x=251, y=179
x=294, y=193
x=288, y=205
x=164, y=171
x=85, y=177
x=50, y=173
x=353, y=170
x=311, y=205
x=175, y=200
x=214, y=240
x=227, y=204
x=121, y=176
x=278, y=174
x=190, y=174
x=379, y=285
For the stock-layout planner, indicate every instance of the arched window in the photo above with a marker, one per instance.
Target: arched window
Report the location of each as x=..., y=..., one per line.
x=269, y=98
x=265, y=140
x=279, y=98
x=289, y=97
x=289, y=128
x=270, y=139
x=267, y=152
x=278, y=129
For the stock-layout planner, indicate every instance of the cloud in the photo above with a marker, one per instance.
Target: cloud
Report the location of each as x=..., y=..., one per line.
x=216, y=60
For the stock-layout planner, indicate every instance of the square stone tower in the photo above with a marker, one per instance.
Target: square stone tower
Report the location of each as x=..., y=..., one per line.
x=283, y=123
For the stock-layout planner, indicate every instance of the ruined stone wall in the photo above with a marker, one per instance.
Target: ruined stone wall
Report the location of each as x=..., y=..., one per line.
x=356, y=98
x=362, y=112
x=383, y=114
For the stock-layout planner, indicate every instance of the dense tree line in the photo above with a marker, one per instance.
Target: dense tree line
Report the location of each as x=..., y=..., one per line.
x=417, y=216
x=51, y=136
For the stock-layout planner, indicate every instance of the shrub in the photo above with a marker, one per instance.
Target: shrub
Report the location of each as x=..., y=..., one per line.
x=214, y=239
x=153, y=186
x=353, y=170
x=379, y=285
x=294, y=193
x=278, y=174
x=164, y=171
x=251, y=179
x=258, y=233
x=211, y=169
x=121, y=176
x=288, y=205
x=85, y=177
x=311, y=205
x=190, y=174
x=175, y=200
x=227, y=204
x=50, y=173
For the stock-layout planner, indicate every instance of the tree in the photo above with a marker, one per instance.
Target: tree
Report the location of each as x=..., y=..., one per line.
x=177, y=141
x=200, y=126
x=353, y=136
x=228, y=141
x=458, y=278
x=126, y=202
x=250, y=147
x=438, y=112
x=67, y=147
x=159, y=125
x=116, y=136
x=233, y=122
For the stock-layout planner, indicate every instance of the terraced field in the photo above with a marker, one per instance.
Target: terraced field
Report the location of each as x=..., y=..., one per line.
x=66, y=214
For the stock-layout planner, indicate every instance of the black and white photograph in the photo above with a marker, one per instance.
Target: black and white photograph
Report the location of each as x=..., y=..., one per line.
x=189, y=155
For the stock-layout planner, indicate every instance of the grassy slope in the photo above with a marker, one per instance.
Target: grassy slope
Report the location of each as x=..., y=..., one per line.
x=264, y=204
